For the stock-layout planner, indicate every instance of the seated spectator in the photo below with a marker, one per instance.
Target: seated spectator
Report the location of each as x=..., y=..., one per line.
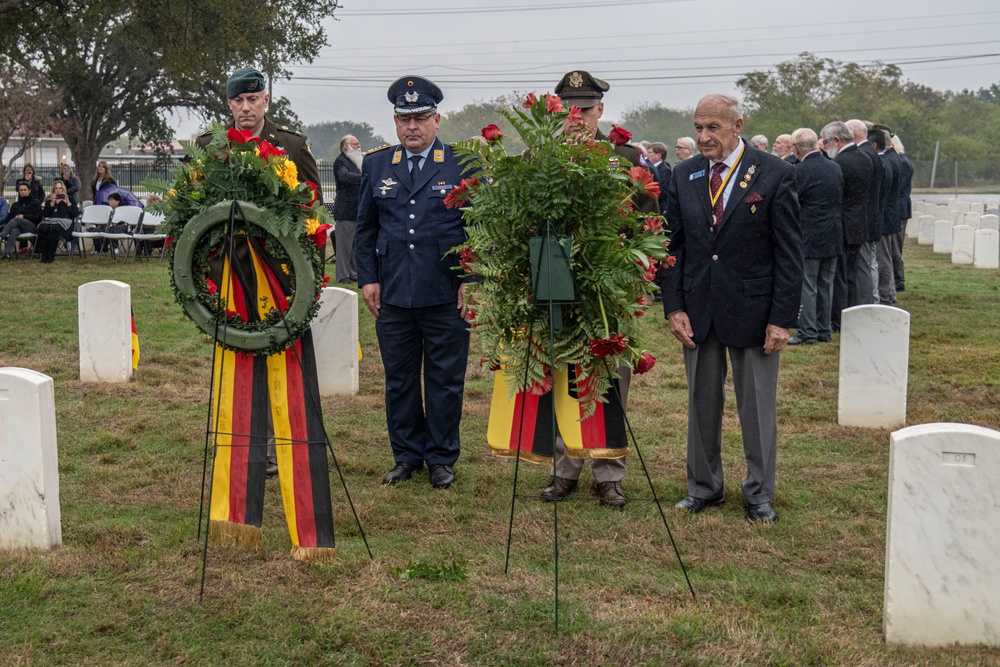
x=4, y=209
x=58, y=214
x=23, y=218
x=102, y=180
x=101, y=245
x=35, y=182
x=126, y=196
x=72, y=182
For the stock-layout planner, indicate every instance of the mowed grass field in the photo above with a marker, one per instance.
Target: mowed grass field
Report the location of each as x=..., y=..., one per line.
x=124, y=587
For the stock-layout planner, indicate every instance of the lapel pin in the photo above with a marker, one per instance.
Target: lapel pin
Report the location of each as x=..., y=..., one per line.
x=753, y=209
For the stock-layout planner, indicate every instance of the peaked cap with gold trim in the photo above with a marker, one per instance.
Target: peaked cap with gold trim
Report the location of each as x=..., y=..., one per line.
x=414, y=94
x=581, y=89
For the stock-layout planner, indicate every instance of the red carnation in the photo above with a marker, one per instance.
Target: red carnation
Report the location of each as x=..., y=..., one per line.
x=605, y=347
x=319, y=236
x=326, y=279
x=644, y=180
x=465, y=257
x=644, y=363
x=669, y=261
x=315, y=193
x=240, y=136
x=492, y=133
x=619, y=135
x=529, y=101
x=212, y=287
x=167, y=242
x=460, y=195
x=553, y=104
x=267, y=149
x=541, y=387
x=575, y=115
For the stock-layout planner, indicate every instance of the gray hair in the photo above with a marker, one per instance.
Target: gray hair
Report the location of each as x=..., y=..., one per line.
x=897, y=144
x=730, y=102
x=857, y=128
x=689, y=142
x=804, y=139
x=837, y=130
x=759, y=140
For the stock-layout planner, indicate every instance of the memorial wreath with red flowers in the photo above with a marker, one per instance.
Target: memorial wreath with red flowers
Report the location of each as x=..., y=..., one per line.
x=580, y=190
x=272, y=205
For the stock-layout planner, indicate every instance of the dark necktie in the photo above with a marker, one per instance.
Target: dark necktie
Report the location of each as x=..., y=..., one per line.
x=414, y=165
x=716, y=186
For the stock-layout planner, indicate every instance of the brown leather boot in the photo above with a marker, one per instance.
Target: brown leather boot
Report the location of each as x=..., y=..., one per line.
x=612, y=494
x=559, y=487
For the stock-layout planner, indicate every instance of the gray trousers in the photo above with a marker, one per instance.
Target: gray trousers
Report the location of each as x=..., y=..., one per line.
x=605, y=470
x=899, y=276
x=343, y=236
x=14, y=229
x=755, y=379
x=817, y=297
x=866, y=278
x=886, y=273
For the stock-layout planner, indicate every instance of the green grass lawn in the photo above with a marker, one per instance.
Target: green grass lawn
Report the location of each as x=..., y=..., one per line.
x=123, y=588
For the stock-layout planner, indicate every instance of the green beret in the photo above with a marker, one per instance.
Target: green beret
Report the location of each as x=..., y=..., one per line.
x=244, y=80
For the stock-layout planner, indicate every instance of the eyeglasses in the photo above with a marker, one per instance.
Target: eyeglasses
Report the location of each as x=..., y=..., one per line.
x=420, y=119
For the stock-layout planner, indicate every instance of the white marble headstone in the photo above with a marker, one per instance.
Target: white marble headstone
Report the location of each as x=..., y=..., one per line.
x=987, y=249
x=962, y=244
x=942, y=569
x=993, y=203
x=925, y=236
x=105, y=320
x=972, y=219
x=956, y=216
x=874, y=366
x=977, y=207
x=942, y=236
x=29, y=465
x=953, y=203
x=916, y=224
x=335, y=335
x=989, y=221
x=962, y=206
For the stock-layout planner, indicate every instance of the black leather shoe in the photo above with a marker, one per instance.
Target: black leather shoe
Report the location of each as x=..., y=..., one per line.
x=401, y=473
x=762, y=513
x=441, y=476
x=611, y=493
x=559, y=487
x=695, y=505
x=271, y=469
x=795, y=340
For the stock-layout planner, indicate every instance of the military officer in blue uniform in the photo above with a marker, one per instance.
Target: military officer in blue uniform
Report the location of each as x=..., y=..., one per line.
x=410, y=285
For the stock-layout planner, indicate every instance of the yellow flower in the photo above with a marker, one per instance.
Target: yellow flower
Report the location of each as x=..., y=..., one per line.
x=312, y=224
x=284, y=267
x=286, y=171
x=172, y=193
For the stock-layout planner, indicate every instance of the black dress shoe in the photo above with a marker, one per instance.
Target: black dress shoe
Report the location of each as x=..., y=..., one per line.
x=762, y=513
x=401, y=473
x=559, y=487
x=795, y=340
x=695, y=505
x=611, y=493
x=441, y=476
x=271, y=469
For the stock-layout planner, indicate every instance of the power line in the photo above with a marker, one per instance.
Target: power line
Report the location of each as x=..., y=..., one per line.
x=434, y=11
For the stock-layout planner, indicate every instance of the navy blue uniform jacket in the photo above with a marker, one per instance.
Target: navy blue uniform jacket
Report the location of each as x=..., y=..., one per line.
x=404, y=231
x=749, y=273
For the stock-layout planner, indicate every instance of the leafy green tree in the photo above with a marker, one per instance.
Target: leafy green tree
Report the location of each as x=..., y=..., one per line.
x=470, y=120
x=26, y=107
x=653, y=122
x=120, y=65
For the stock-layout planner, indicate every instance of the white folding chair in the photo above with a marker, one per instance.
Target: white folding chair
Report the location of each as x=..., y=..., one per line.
x=146, y=232
x=128, y=215
x=97, y=215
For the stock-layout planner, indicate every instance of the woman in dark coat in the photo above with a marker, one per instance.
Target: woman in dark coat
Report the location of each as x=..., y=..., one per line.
x=23, y=217
x=58, y=214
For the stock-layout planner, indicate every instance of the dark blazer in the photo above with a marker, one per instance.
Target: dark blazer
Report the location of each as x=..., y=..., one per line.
x=662, y=174
x=905, y=184
x=891, y=224
x=858, y=173
x=875, y=207
x=791, y=158
x=348, y=179
x=820, y=186
x=28, y=206
x=749, y=273
x=404, y=231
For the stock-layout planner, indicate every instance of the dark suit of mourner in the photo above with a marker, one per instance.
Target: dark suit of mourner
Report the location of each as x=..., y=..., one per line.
x=404, y=232
x=876, y=211
x=905, y=212
x=852, y=281
x=345, y=212
x=820, y=186
x=732, y=284
x=292, y=142
x=662, y=174
x=890, y=227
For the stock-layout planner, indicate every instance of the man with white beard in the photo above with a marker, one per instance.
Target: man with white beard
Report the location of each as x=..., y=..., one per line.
x=347, y=173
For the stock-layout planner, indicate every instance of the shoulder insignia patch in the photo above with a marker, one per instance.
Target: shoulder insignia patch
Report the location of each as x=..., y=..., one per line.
x=380, y=148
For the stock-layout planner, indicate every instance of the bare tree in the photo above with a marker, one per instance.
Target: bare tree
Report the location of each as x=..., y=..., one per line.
x=26, y=113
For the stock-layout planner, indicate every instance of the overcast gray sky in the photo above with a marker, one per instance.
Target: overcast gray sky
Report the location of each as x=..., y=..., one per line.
x=669, y=51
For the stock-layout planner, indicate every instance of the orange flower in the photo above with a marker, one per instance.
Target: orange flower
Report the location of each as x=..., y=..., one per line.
x=553, y=104
x=644, y=180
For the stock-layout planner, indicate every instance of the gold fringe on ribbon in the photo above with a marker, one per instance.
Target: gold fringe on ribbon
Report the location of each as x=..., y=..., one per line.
x=524, y=454
x=574, y=453
x=229, y=534
x=314, y=554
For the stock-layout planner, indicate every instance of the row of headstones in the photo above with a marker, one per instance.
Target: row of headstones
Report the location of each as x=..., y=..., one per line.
x=942, y=576
x=970, y=237
x=106, y=337
x=29, y=480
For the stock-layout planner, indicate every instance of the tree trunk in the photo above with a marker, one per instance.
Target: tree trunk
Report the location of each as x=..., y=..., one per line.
x=85, y=156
